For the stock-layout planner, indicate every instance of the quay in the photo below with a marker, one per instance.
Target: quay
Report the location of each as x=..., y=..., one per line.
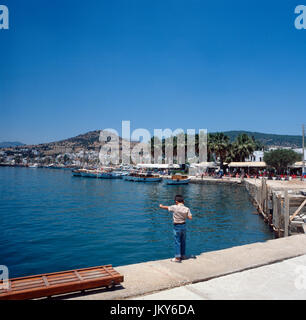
x=263, y=265
x=266, y=269
x=212, y=180
x=282, y=204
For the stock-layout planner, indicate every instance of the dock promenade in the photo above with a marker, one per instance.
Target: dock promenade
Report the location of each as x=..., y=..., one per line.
x=154, y=277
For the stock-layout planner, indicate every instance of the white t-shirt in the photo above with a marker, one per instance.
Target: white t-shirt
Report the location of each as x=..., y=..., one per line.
x=180, y=213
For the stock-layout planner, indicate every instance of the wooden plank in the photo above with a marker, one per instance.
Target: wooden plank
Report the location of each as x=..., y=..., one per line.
x=286, y=214
x=54, y=282
x=70, y=276
x=60, y=276
x=27, y=287
x=94, y=276
x=21, y=283
x=107, y=271
x=275, y=211
x=78, y=275
x=57, y=273
x=24, y=279
x=92, y=272
x=101, y=276
x=63, y=288
x=298, y=210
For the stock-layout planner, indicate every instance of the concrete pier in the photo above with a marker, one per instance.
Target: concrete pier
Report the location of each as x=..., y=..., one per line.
x=281, y=203
x=210, y=273
x=285, y=280
x=155, y=276
x=212, y=180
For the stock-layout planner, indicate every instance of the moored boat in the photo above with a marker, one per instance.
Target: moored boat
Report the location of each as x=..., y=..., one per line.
x=118, y=174
x=89, y=173
x=35, y=165
x=143, y=177
x=105, y=175
x=132, y=176
x=77, y=172
x=177, y=179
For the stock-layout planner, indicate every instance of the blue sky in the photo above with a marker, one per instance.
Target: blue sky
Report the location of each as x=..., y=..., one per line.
x=68, y=67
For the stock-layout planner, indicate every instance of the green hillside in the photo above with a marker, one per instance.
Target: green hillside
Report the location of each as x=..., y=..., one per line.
x=270, y=139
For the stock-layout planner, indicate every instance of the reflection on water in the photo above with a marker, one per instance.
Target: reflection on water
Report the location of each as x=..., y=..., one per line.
x=51, y=221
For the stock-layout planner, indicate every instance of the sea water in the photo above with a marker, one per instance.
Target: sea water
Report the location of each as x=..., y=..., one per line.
x=52, y=221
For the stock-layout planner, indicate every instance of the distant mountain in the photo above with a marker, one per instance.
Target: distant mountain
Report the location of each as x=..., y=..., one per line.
x=11, y=144
x=90, y=141
x=269, y=139
x=87, y=141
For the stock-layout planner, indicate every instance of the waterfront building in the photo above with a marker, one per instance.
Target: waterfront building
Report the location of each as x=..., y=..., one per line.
x=256, y=156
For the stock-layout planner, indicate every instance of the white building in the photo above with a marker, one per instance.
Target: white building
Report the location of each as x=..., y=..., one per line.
x=257, y=156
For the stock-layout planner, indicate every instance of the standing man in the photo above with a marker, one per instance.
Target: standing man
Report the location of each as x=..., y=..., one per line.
x=180, y=214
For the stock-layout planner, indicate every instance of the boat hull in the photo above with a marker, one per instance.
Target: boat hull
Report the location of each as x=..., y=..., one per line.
x=177, y=181
x=141, y=179
x=76, y=174
x=89, y=174
x=105, y=175
x=126, y=178
x=147, y=179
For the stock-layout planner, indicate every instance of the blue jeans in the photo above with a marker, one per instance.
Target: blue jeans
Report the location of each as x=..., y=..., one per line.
x=180, y=240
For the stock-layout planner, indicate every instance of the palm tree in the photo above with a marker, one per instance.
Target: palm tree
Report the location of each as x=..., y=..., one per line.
x=232, y=154
x=243, y=147
x=218, y=143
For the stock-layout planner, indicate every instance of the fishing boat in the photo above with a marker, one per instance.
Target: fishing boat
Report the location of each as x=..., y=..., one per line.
x=118, y=174
x=89, y=173
x=132, y=176
x=150, y=177
x=105, y=175
x=143, y=177
x=35, y=165
x=77, y=172
x=177, y=178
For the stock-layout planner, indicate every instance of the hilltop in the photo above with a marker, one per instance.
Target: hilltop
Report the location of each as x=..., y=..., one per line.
x=87, y=141
x=7, y=144
x=268, y=139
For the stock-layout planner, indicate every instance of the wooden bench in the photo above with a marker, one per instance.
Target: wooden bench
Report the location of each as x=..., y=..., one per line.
x=49, y=284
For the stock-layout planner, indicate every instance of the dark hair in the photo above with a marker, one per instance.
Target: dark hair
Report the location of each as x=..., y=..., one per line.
x=179, y=198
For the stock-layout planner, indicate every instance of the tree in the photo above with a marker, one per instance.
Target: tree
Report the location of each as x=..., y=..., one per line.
x=280, y=159
x=243, y=147
x=218, y=143
x=258, y=144
x=232, y=154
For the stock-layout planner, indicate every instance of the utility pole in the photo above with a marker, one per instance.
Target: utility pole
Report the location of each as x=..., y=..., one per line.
x=303, y=166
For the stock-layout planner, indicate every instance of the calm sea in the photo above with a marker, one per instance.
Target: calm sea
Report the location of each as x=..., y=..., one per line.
x=52, y=221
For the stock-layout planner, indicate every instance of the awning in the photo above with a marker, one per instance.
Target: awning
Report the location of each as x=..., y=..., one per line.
x=248, y=164
x=157, y=166
x=298, y=164
x=205, y=165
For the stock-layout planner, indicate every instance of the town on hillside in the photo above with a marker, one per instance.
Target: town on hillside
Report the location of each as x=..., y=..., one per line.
x=225, y=155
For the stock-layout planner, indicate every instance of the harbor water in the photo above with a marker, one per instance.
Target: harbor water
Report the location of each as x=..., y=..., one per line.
x=52, y=221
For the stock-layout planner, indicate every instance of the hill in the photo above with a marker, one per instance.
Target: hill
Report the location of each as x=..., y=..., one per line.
x=10, y=144
x=268, y=139
x=90, y=141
